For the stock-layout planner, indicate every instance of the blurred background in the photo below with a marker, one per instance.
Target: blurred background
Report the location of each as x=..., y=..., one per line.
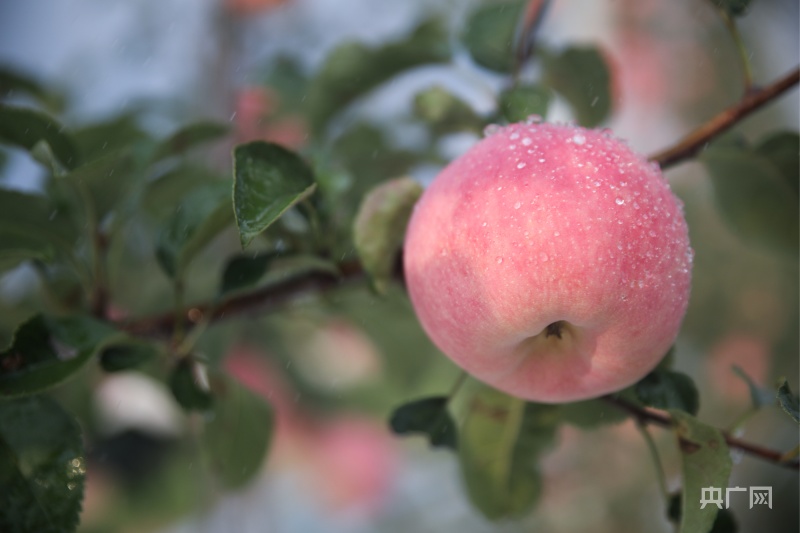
x=334, y=367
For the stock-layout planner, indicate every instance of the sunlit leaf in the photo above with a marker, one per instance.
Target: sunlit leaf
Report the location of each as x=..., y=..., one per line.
x=42, y=467
x=427, y=416
x=788, y=401
x=25, y=127
x=490, y=32
x=268, y=180
x=499, y=449
x=200, y=216
x=380, y=227
x=238, y=435
x=667, y=389
x=46, y=350
x=581, y=76
x=706, y=464
x=353, y=69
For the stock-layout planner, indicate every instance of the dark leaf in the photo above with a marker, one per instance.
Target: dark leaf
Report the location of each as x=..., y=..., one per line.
x=268, y=180
x=26, y=127
x=45, y=351
x=788, y=401
x=783, y=151
x=161, y=195
x=244, y=271
x=189, y=137
x=238, y=435
x=499, y=449
x=735, y=8
x=120, y=133
x=380, y=227
x=706, y=463
x=187, y=387
x=490, y=34
x=126, y=355
x=519, y=103
x=201, y=215
x=107, y=181
x=428, y=416
x=667, y=389
x=445, y=113
x=581, y=76
x=758, y=396
x=42, y=467
x=353, y=69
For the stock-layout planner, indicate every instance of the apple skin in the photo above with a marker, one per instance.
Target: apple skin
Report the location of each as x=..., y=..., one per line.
x=551, y=262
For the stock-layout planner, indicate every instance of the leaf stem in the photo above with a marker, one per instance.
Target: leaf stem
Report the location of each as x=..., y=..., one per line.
x=654, y=455
x=744, y=57
x=457, y=386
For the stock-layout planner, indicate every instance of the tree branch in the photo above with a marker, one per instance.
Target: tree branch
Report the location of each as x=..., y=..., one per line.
x=696, y=140
x=646, y=415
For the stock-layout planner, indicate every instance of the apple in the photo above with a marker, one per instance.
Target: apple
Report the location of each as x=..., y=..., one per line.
x=550, y=261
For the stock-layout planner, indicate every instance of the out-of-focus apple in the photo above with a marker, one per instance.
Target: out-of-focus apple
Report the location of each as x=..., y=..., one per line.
x=551, y=262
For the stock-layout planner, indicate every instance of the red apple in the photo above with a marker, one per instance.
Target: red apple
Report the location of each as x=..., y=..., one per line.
x=551, y=262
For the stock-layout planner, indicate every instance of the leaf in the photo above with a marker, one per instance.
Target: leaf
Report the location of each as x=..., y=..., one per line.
x=353, y=69
x=200, y=216
x=268, y=180
x=34, y=218
x=445, y=113
x=107, y=180
x=490, y=32
x=161, y=195
x=118, y=133
x=46, y=350
x=735, y=8
x=783, y=151
x=725, y=522
x=238, y=436
x=12, y=81
x=189, y=137
x=380, y=227
x=788, y=401
x=16, y=249
x=754, y=198
x=499, y=448
x=187, y=388
x=667, y=389
x=26, y=127
x=519, y=103
x=244, y=271
x=706, y=464
x=591, y=414
x=427, y=416
x=42, y=467
x=126, y=355
x=581, y=76
x=758, y=396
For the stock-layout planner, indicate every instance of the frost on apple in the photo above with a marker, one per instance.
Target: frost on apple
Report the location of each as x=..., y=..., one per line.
x=551, y=262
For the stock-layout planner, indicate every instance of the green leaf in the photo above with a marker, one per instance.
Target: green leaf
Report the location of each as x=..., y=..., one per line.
x=189, y=137
x=783, y=151
x=238, y=436
x=754, y=198
x=667, y=389
x=106, y=180
x=26, y=127
x=380, y=227
x=126, y=355
x=192, y=394
x=490, y=33
x=201, y=215
x=116, y=134
x=499, y=448
x=725, y=522
x=758, y=395
x=519, y=103
x=428, y=416
x=706, y=463
x=45, y=351
x=161, y=195
x=788, y=401
x=591, y=414
x=42, y=467
x=353, y=69
x=581, y=76
x=735, y=8
x=445, y=113
x=268, y=180
x=244, y=271
x=16, y=249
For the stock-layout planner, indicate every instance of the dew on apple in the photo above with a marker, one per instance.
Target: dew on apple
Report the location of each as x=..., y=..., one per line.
x=578, y=138
x=520, y=165
x=514, y=136
x=526, y=141
x=533, y=119
x=619, y=201
x=517, y=205
x=490, y=130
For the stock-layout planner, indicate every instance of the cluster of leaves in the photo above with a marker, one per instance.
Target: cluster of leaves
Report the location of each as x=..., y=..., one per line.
x=108, y=183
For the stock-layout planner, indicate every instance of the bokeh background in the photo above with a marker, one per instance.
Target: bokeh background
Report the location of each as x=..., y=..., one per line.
x=334, y=367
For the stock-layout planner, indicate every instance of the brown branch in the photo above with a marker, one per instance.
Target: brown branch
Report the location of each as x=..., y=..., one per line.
x=650, y=416
x=697, y=140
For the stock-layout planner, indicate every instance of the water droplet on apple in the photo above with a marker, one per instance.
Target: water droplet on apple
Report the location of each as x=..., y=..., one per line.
x=499, y=260
x=514, y=136
x=543, y=257
x=517, y=205
x=619, y=201
x=526, y=141
x=578, y=138
x=533, y=119
x=520, y=165
x=541, y=160
x=490, y=130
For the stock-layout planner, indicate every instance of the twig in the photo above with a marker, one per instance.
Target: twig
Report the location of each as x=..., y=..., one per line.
x=696, y=140
x=645, y=415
